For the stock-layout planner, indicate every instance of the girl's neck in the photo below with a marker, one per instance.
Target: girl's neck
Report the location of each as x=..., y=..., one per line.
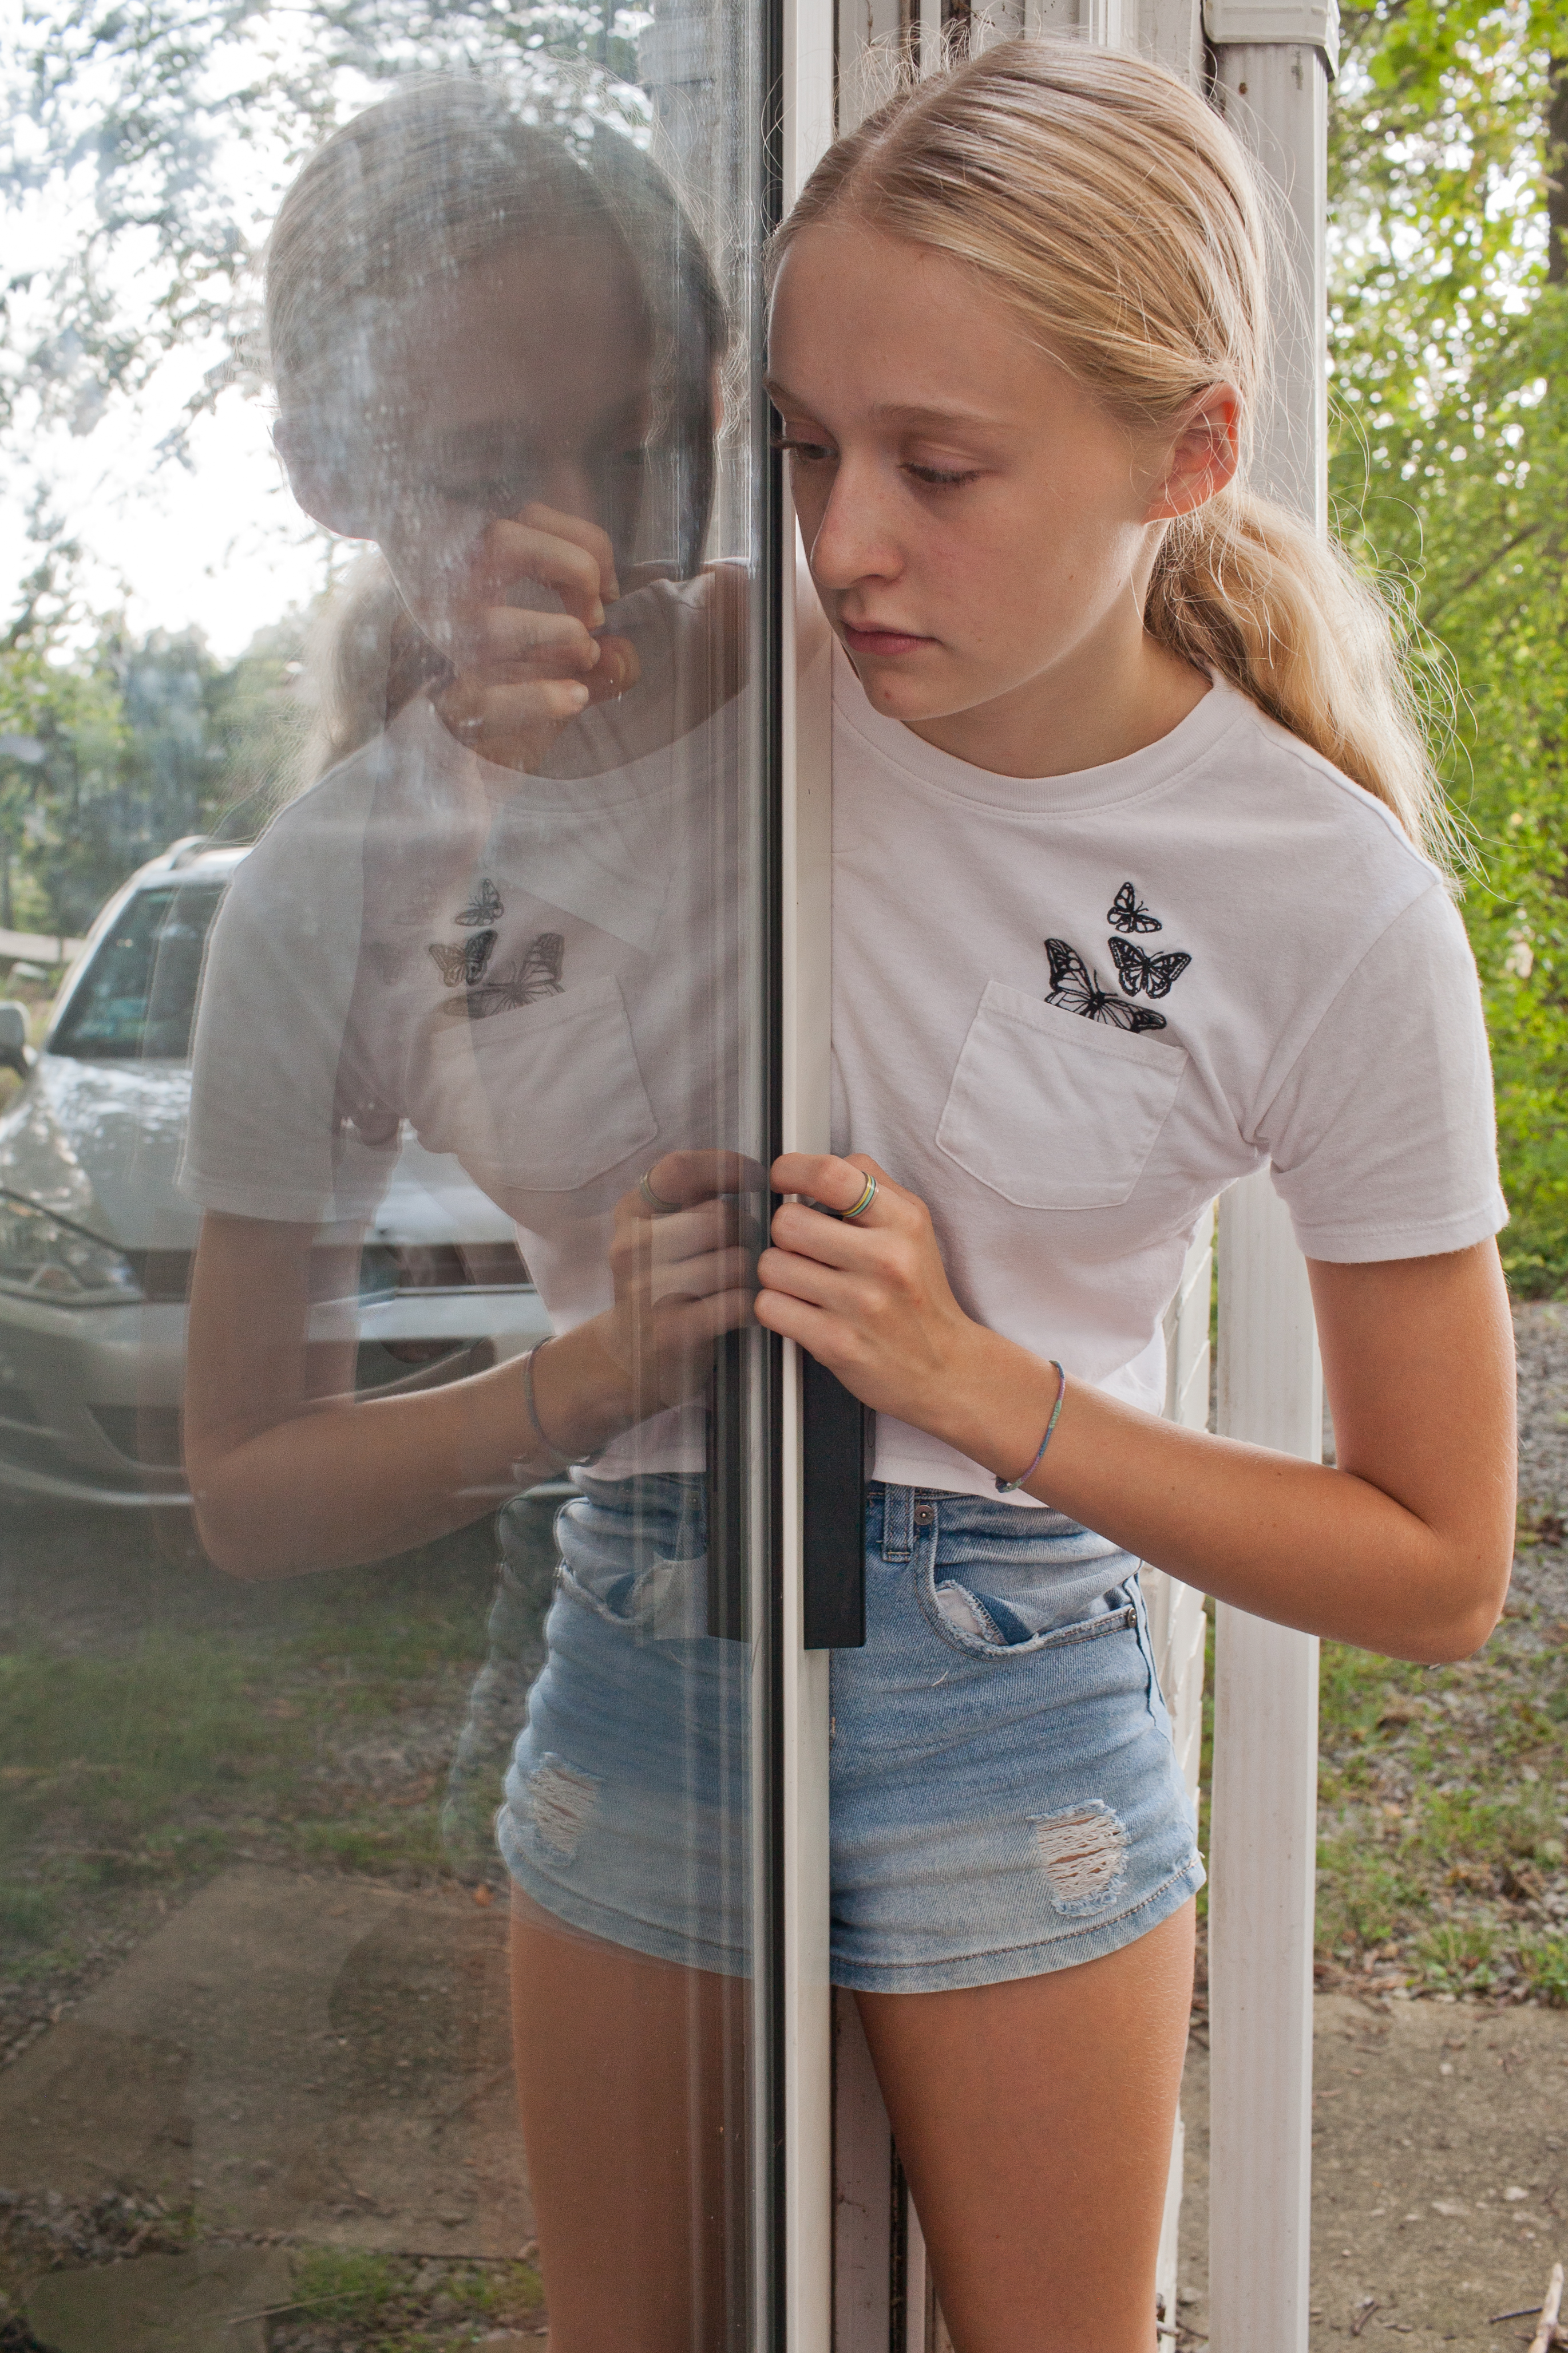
x=1079, y=713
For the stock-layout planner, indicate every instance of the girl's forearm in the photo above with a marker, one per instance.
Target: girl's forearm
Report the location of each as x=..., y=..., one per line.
x=353, y=1478
x=1291, y=1540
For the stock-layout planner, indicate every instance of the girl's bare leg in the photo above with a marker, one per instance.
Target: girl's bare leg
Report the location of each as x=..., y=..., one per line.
x=1033, y=2121
x=631, y=2077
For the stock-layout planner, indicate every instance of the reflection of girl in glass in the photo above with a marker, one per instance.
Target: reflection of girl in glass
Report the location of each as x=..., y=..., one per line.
x=503, y=924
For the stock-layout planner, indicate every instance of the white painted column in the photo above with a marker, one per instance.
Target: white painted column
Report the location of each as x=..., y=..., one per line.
x=1273, y=59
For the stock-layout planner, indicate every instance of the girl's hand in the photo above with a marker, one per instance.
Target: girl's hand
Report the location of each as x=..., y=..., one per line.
x=872, y=1300
x=524, y=672
x=682, y=1276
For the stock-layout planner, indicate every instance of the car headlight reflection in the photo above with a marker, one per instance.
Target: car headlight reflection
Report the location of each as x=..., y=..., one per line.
x=42, y=1257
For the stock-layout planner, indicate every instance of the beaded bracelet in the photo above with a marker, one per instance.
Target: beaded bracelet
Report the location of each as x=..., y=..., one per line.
x=1008, y=1486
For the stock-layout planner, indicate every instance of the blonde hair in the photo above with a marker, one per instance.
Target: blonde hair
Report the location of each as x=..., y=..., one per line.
x=1113, y=209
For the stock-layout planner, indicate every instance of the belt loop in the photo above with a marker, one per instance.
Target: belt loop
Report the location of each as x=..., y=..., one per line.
x=897, y=1523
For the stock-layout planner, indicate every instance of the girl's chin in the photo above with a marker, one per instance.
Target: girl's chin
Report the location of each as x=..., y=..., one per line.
x=902, y=696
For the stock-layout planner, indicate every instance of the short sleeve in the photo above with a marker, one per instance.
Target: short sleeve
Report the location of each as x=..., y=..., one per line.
x=267, y=1137
x=1382, y=1138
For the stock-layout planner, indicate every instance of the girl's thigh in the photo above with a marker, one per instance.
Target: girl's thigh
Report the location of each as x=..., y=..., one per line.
x=631, y=2076
x=1034, y=2120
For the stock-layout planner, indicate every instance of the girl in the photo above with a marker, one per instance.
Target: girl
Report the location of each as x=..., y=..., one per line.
x=1131, y=898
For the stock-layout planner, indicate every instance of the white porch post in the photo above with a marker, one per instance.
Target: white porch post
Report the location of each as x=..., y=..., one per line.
x=1273, y=59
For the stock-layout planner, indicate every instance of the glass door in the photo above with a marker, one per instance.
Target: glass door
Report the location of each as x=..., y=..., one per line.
x=406, y=1719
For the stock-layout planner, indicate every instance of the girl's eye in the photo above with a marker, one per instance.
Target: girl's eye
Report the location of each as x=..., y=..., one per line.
x=806, y=453
x=938, y=478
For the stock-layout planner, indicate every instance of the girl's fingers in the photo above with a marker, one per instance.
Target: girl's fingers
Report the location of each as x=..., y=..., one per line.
x=679, y=1179
x=510, y=552
x=701, y=1278
x=825, y=1286
x=836, y=1183
x=589, y=537
x=501, y=635
x=479, y=712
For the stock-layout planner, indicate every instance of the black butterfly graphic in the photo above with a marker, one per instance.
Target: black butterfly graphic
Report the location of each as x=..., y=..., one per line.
x=484, y=907
x=1154, y=974
x=1127, y=912
x=536, y=973
x=1078, y=990
x=462, y=960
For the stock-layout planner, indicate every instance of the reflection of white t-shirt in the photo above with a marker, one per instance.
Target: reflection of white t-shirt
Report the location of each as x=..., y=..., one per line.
x=1067, y=1012
x=540, y=974
x=1303, y=993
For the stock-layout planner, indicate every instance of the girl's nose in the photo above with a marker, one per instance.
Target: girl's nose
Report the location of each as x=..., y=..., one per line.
x=855, y=539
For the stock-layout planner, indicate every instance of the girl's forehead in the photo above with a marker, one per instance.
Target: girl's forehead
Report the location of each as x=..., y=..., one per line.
x=554, y=330
x=929, y=333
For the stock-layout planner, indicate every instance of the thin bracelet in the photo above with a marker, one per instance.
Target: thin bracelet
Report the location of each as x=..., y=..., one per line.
x=557, y=1460
x=1007, y=1486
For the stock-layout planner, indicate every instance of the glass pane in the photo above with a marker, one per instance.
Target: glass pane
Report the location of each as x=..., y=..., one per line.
x=385, y=1439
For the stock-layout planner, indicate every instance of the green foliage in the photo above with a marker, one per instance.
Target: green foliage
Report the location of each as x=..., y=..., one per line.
x=1440, y=1843
x=1449, y=475
x=131, y=744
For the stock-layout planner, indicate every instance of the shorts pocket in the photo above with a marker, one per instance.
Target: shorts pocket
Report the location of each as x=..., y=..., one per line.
x=547, y=1096
x=1053, y=1111
x=665, y=1602
x=982, y=1626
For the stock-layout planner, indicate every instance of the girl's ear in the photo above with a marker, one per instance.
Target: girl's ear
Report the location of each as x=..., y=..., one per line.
x=323, y=478
x=1203, y=457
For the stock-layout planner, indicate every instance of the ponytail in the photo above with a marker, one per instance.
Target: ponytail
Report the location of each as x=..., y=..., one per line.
x=1243, y=587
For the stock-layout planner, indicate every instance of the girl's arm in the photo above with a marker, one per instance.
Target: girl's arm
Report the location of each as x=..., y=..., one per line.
x=290, y=1471
x=1404, y=1547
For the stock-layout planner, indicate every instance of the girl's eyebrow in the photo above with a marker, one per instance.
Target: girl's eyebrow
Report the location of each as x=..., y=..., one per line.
x=898, y=413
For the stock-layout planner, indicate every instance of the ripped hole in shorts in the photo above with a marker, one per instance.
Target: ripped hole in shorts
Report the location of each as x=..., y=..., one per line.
x=561, y=1802
x=982, y=1617
x=1083, y=1852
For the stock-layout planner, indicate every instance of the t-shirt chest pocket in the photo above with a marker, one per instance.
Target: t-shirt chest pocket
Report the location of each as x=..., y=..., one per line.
x=544, y=1097
x=1052, y=1110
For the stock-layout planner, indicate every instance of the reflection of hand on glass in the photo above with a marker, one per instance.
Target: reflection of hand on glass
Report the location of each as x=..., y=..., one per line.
x=522, y=675
x=683, y=1273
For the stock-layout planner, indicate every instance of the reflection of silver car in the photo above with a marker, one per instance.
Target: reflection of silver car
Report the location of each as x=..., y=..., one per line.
x=96, y=1243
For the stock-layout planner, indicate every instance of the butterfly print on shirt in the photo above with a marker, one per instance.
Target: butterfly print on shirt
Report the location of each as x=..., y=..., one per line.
x=486, y=906
x=534, y=973
x=462, y=960
x=1154, y=974
x=1127, y=912
x=1078, y=990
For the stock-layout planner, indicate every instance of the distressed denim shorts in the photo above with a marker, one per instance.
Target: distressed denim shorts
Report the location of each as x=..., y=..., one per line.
x=1006, y=1799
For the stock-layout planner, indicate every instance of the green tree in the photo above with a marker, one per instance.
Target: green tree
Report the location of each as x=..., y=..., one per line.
x=1449, y=339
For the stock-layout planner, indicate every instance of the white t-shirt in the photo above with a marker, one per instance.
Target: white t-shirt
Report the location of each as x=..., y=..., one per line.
x=1303, y=995
x=546, y=977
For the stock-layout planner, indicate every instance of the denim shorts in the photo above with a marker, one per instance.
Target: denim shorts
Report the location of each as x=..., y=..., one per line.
x=1005, y=1800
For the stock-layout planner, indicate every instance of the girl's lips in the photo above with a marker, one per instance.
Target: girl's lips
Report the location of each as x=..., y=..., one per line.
x=882, y=641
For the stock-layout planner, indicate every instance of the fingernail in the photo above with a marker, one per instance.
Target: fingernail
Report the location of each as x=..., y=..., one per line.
x=598, y=620
x=577, y=694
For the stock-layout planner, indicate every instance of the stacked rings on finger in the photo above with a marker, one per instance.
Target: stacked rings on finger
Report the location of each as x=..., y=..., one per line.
x=656, y=1201
x=864, y=1203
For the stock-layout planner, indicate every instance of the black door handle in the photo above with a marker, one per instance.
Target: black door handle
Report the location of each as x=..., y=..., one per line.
x=836, y=1429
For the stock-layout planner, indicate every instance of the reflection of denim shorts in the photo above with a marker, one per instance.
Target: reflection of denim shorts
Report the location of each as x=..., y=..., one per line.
x=1005, y=1797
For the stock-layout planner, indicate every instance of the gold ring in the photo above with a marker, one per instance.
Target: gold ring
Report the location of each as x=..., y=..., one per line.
x=864, y=1203
x=656, y=1203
